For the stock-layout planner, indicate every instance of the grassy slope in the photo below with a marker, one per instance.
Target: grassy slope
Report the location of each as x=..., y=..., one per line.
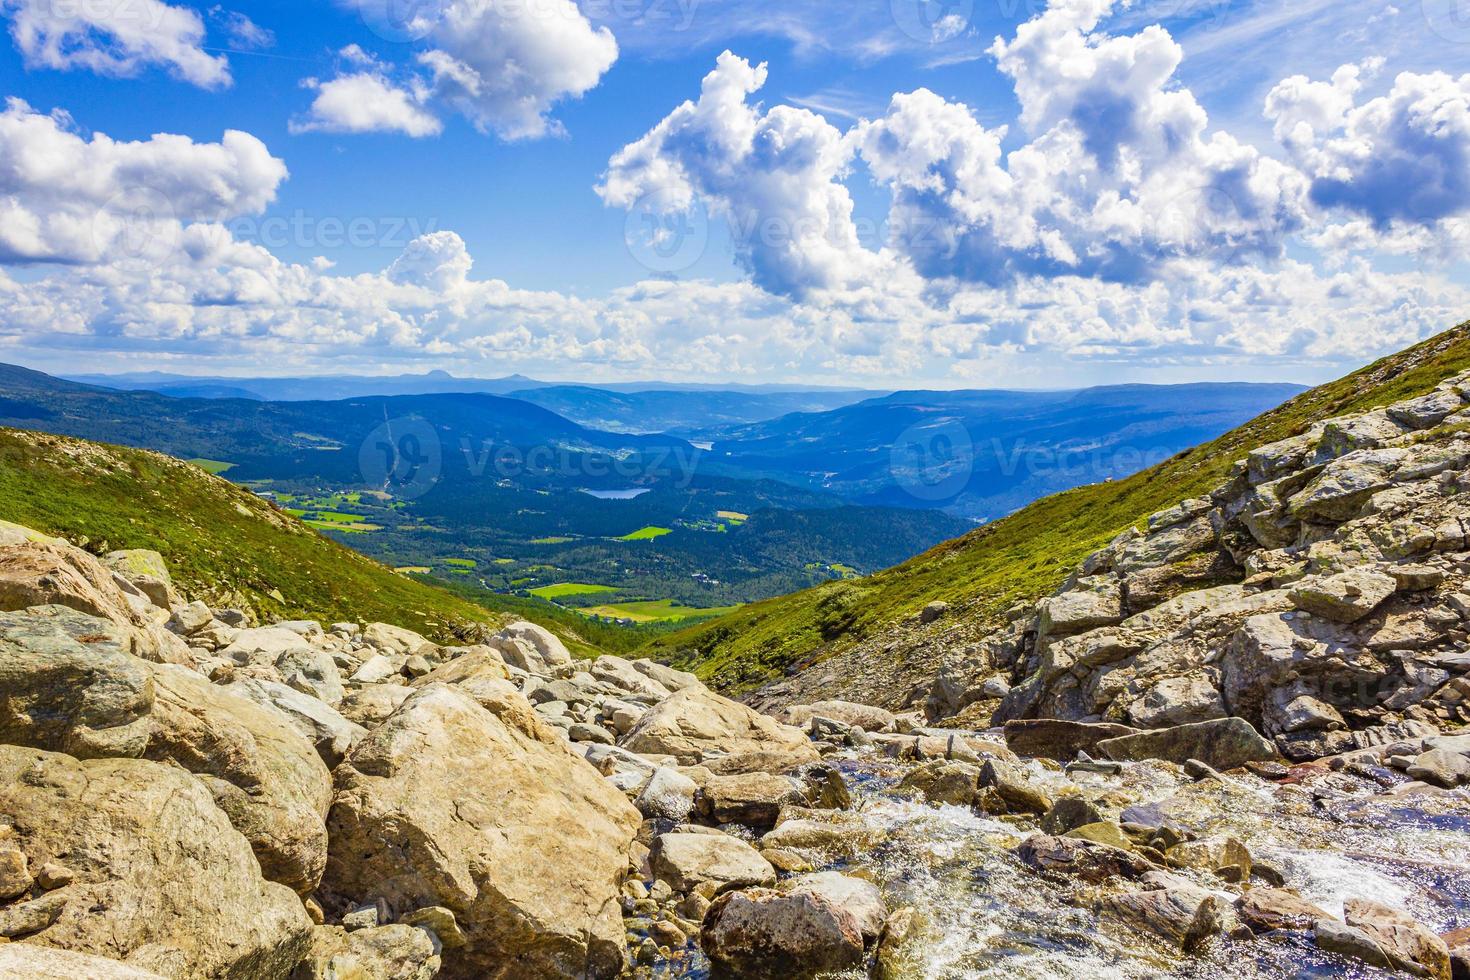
x=1029, y=553
x=220, y=541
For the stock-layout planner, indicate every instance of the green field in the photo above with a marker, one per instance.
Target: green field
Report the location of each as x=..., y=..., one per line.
x=646, y=533
x=215, y=466
x=733, y=516
x=462, y=562
x=551, y=540
x=569, y=588
x=655, y=611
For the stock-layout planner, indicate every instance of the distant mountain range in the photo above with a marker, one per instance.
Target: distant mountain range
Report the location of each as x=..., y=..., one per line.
x=983, y=454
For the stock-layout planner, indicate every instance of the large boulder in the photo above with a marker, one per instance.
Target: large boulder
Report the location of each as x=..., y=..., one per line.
x=1346, y=597
x=695, y=721
x=69, y=686
x=863, y=716
x=492, y=817
x=552, y=651
x=686, y=861
x=264, y=774
x=1226, y=743
x=1054, y=738
x=754, y=799
x=331, y=734
x=395, y=952
x=161, y=879
x=624, y=675
x=51, y=572
x=147, y=572
x=24, y=961
x=1409, y=945
x=1184, y=915
x=395, y=640
x=766, y=933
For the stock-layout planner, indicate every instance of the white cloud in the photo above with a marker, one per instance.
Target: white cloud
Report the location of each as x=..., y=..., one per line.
x=503, y=64
x=774, y=175
x=118, y=38
x=69, y=199
x=243, y=32
x=1400, y=159
x=367, y=102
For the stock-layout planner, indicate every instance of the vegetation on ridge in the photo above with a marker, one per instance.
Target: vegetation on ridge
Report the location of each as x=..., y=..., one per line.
x=1030, y=553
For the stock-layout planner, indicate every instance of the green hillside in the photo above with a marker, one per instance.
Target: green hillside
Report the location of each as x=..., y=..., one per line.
x=1029, y=553
x=222, y=543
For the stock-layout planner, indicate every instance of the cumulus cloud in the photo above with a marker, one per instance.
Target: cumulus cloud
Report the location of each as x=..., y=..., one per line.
x=1400, y=159
x=504, y=64
x=1120, y=175
x=69, y=199
x=115, y=38
x=774, y=175
x=367, y=101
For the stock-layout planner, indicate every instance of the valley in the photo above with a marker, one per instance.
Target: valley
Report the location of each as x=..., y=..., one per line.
x=503, y=497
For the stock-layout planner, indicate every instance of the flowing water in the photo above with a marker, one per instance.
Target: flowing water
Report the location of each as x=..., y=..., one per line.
x=985, y=915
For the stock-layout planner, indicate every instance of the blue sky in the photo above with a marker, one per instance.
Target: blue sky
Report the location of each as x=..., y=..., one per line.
x=1159, y=191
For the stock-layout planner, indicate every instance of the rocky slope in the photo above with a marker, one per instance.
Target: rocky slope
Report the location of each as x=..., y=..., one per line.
x=870, y=639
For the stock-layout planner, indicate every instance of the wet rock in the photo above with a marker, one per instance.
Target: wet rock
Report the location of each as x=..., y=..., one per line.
x=1051, y=738
x=754, y=799
x=1102, y=832
x=183, y=893
x=859, y=897
x=1010, y=785
x=1227, y=743
x=686, y=861
x=1183, y=916
x=1270, y=909
x=765, y=933
x=941, y=781
x=1409, y=945
x=1069, y=813
x=1080, y=859
x=1441, y=767
x=1219, y=855
x=448, y=804
x=696, y=721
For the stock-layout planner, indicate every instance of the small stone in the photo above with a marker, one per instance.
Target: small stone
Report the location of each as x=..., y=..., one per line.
x=366, y=917
x=441, y=922
x=1442, y=767
x=1269, y=909
x=52, y=876
x=1069, y=813
x=15, y=874
x=666, y=933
